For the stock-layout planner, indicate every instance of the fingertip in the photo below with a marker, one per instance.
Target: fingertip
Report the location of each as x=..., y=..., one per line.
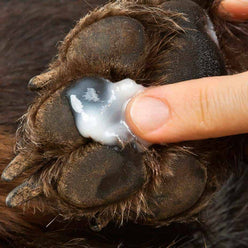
x=233, y=10
x=129, y=120
x=145, y=114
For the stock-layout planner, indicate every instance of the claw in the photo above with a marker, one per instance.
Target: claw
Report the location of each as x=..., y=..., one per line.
x=38, y=82
x=23, y=193
x=17, y=166
x=97, y=224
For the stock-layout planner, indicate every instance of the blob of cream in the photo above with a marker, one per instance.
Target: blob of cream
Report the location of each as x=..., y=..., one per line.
x=98, y=107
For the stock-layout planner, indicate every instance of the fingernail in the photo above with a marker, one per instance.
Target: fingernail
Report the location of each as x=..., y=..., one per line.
x=234, y=10
x=148, y=114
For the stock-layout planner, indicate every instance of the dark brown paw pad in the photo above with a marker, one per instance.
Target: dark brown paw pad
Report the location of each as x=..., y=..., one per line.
x=117, y=40
x=102, y=176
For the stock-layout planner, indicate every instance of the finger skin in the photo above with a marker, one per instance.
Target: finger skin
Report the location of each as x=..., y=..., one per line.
x=233, y=10
x=199, y=109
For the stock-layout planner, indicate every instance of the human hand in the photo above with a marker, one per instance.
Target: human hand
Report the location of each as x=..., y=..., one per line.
x=196, y=109
x=233, y=10
x=191, y=110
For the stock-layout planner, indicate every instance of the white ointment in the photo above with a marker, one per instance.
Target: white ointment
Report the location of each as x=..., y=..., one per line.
x=211, y=31
x=98, y=106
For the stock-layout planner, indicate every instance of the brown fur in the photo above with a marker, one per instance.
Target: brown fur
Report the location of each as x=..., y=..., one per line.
x=13, y=222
